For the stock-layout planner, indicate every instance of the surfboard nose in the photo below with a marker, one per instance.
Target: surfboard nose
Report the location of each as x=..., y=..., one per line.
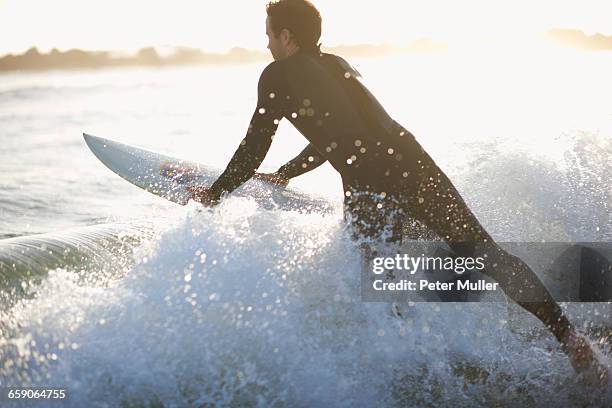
x=96, y=144
x=91, y=139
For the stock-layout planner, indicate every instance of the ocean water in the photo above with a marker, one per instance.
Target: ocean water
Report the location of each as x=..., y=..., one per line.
x=128, y=300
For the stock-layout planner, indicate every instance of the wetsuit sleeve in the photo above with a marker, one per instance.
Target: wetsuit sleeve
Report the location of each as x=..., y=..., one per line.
x=255, y=145
x=308, y=159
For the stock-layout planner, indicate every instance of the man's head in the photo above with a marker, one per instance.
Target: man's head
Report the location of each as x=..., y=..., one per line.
x=292, y=25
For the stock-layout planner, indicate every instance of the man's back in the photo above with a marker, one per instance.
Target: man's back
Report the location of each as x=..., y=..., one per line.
x=324, y=99
x=321, y=95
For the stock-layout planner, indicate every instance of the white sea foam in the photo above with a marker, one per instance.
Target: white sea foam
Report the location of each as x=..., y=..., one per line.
x=241, y=305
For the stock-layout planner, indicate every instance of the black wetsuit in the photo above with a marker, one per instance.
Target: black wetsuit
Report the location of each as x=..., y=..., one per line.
x=386, y=173
x=321, y=95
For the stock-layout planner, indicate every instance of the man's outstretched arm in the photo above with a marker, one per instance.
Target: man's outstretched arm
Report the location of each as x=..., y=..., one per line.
x=253, y=148
x=308, y=159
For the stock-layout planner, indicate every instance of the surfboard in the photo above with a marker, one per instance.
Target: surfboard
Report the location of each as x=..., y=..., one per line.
x=170, y=177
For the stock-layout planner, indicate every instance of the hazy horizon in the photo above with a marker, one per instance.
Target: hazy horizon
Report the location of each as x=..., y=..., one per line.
x=216, y=27
x=569, y=36
x=168, y=49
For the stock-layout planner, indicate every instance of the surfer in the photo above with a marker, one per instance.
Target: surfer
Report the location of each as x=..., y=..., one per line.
x=386, y=174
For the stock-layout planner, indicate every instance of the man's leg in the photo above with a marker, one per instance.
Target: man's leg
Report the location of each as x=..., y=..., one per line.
x=440, y=206
x=374, y=219
x=376, y=224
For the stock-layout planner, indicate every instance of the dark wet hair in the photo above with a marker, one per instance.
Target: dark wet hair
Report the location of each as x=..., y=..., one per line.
x=300, y=17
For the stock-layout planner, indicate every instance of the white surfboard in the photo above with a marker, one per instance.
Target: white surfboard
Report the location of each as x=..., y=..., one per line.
x=169, y=177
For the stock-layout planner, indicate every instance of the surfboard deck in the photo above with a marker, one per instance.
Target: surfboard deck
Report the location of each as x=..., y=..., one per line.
x=170, y=177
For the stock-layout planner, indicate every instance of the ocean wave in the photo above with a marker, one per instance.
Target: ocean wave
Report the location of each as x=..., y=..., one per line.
x=93, y=247
x=243, y=305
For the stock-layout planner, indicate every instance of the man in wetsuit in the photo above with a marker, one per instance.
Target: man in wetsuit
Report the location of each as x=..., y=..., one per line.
x=386, y=174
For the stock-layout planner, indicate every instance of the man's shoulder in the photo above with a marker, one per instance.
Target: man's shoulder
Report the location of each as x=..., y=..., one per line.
x=343, y=63
x=274, y=67
x=277, y=70
x=336, y=57
x=330, y=55
x=271, y=72
x=271, y=77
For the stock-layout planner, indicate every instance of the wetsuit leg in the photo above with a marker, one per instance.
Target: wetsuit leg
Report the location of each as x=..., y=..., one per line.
x=440, y=206
x=375, y=222
x=373, y=218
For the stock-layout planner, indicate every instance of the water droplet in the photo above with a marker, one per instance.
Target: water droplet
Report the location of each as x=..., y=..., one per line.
x=362, y=150
x=334, y=145
x=421, y=200
x=390, y=150
x=302, y=111
x=272, y=95
x=310, y=158
x=262, y=110
x=307, y=102
x=357, y=142
x=294, y=115
x=347, y=193
x=347, y=75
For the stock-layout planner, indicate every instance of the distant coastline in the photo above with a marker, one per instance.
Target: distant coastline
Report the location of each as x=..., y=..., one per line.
x=33, y=60
x=578, y=39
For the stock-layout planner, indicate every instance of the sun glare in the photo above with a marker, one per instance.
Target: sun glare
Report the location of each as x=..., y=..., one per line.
x=221, y=25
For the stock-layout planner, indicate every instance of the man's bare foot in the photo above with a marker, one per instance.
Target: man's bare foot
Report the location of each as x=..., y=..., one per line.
x=586, y=360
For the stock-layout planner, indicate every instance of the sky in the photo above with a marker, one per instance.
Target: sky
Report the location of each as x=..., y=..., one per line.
x=220, y=25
